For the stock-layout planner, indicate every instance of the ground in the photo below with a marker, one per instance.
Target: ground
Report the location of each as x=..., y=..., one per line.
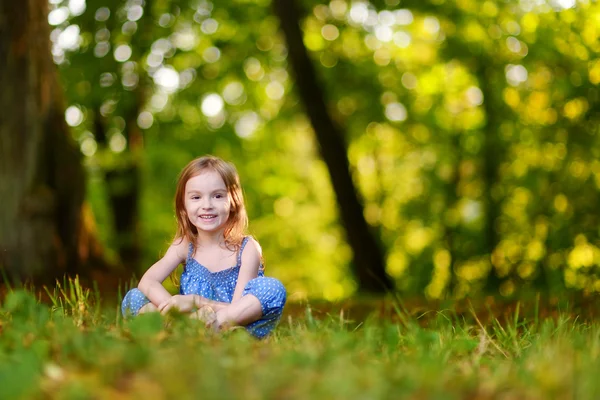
x=76, y=347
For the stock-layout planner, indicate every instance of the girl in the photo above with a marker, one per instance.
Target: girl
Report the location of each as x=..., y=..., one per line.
x=223, y=279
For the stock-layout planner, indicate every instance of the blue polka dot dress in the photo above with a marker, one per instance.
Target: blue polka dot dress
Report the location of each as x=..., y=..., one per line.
x=219, y=286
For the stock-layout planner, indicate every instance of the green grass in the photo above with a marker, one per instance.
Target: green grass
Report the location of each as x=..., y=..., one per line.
x=74, y=348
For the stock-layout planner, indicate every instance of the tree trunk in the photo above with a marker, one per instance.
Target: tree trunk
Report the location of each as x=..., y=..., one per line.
x=368, y=263
x=122, y=182
x=493, y=151
x=46, y=229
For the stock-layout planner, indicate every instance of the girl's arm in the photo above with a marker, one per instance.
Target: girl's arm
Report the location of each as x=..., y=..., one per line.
x=151, y=283
x=249, y=269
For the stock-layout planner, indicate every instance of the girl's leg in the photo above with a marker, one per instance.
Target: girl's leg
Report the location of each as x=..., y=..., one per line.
x=258, y=310
x=133, y=302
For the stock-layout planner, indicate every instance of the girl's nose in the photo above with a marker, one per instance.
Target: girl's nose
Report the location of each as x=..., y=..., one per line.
x=206, y=204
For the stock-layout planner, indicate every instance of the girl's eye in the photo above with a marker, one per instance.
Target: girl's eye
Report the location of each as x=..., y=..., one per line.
x=218, y=196
x=195, y=197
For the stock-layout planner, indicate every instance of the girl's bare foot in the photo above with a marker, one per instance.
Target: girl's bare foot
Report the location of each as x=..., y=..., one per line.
x=148, y=308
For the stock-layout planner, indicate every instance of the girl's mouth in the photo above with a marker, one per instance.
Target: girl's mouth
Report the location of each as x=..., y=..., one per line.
x=208, y=216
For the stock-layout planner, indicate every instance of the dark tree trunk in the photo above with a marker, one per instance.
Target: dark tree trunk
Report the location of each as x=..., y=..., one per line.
x=46, y=229
x=493, y=151
x=368, y=263
x=123, y=178
x=485, y=69
x=123, y=187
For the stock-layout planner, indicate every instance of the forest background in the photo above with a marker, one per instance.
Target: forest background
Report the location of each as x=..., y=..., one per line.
x=441, y=148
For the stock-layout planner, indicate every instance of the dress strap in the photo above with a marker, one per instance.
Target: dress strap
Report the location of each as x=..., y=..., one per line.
x=239, y=258
x=190, y=251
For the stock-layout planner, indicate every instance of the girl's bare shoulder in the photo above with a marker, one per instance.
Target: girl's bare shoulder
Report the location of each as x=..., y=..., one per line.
x=180, y=246
x=253, y=247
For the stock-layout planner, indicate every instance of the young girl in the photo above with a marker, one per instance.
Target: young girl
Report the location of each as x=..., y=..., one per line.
x=223, y=279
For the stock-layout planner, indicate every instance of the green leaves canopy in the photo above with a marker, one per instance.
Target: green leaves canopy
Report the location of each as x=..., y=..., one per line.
x=472, y=130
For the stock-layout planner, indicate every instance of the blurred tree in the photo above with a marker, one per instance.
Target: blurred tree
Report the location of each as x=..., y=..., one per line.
x=368, y=260
x=114, y=113
x=46, y=228
x=469, y=145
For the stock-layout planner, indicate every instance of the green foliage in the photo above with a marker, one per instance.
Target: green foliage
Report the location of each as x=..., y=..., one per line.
x=446, y=354
x=24, y=345
x=472, y=131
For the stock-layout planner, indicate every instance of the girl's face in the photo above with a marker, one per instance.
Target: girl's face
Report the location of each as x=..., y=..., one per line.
x=207, y=202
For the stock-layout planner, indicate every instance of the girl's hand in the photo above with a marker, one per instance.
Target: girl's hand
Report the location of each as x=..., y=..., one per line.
x=181, y=303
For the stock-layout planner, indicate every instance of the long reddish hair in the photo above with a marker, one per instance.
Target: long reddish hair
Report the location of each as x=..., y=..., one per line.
x=236, y=224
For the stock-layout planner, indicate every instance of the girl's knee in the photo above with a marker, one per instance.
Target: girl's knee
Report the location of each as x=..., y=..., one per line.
x=133, y=302
x=270, y=292
x=278, y=290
